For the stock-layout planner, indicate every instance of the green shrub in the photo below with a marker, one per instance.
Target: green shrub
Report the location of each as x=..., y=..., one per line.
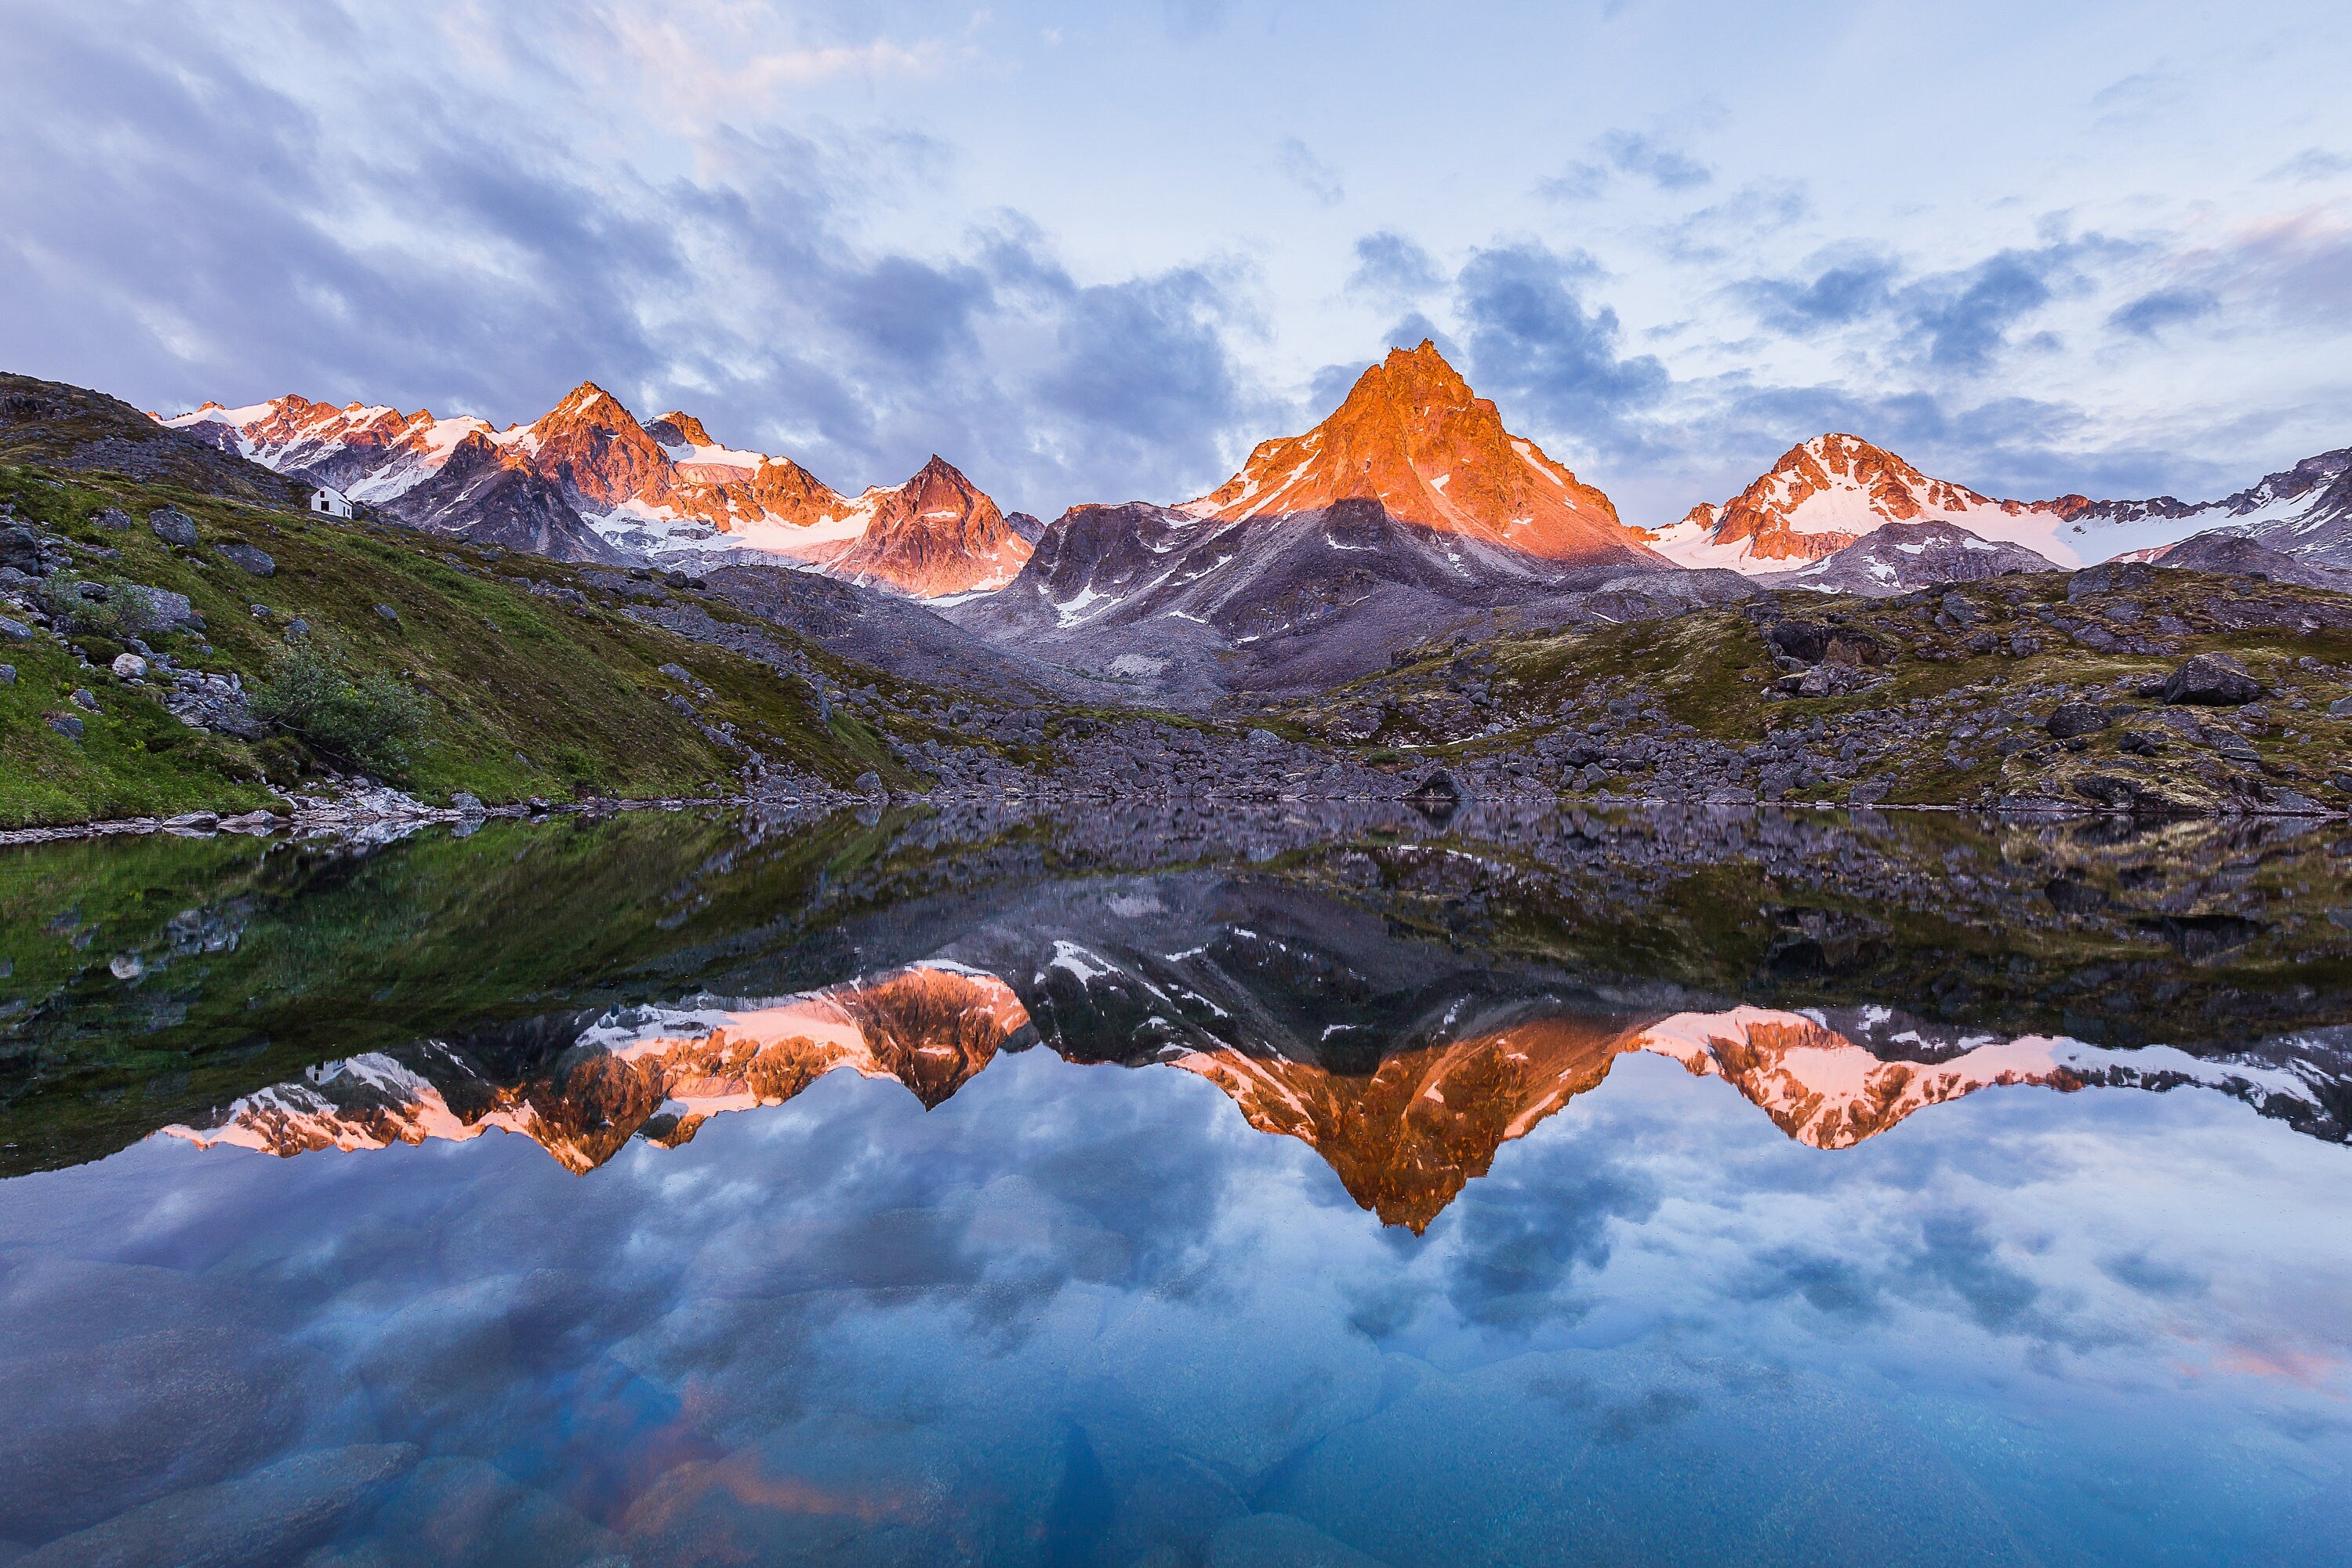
x=118, y=612
x=369, y=722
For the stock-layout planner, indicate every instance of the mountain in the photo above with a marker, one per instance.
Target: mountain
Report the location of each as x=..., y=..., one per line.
x=1832, y=490
x=585, y=481
x=1412, y=437
x=933, y=537
x=1897, y=557
x=1409, y=512
x=1185, y=608
x=2305, y=510
x=582, y=1094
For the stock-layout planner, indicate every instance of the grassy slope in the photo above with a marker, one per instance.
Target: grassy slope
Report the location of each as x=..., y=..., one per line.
x=529, y=696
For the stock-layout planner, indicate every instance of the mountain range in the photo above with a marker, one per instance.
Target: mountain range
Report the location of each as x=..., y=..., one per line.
x=586, y=481
x=1404, y=1123
x=1410, y=512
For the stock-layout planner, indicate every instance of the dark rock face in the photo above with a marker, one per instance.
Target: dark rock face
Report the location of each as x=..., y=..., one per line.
x=1899, y=557
x=1182, y=607
x=2212, y=679
x=2073, y=718
x=172, y=526
x=474, y=496
x=2233, y=554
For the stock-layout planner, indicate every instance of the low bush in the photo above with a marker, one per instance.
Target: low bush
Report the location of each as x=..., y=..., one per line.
x=368, y=722
x=114, y=610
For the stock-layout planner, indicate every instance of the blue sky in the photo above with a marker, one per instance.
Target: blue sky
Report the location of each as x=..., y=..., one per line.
x=1094, y=253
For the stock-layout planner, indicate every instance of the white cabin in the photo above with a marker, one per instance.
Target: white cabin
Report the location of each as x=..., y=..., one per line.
x=331, y=501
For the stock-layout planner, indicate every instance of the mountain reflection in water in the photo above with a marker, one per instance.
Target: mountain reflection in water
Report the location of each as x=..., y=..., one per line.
x=1404, y=1137
x=1071, y=1266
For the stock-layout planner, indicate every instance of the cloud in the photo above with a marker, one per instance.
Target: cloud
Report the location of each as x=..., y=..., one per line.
x=1302, y=168
x=1634, y=153
x=1390, y=267
x=1538, y=350
x=2312, y=163
x=1962, y=319
x=183, y=230
x=1836, y=296
x=2163, y=308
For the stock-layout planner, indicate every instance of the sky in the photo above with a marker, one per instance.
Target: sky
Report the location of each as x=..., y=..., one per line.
x=1096, y=253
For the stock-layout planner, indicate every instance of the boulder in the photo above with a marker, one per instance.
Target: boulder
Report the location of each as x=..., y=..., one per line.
x=246, y=558
x=70, y=725
x=111, y=518
x=387, y=612
x=129, y=665
x=172, y=526
x=165, y=611
x=2109, y=577
x=2211, y=679
x=20, y=547
x=2071, y=718
x=15, y=631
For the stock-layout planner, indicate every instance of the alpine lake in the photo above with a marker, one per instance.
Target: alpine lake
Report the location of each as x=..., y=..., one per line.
x=1278, y=1186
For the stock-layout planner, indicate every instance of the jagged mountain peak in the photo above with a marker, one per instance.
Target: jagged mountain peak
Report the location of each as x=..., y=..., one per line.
x=1413, y=436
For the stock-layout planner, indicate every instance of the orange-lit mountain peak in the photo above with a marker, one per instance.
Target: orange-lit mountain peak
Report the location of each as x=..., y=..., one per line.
x=1413, y=436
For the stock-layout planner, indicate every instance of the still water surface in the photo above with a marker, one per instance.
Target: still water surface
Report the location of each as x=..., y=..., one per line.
x=1709, y=1189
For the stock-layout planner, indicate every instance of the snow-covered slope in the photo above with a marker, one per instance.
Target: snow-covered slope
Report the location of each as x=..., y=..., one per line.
x=591, y=482
x=1826, y=493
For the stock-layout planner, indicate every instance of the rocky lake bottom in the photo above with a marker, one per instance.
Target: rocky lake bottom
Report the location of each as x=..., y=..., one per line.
x=1138, y=1183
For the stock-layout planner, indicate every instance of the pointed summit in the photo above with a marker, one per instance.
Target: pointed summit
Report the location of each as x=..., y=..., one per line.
x=937, y=535
x=1829, y=492
x=1414, y=437
x=677, y=429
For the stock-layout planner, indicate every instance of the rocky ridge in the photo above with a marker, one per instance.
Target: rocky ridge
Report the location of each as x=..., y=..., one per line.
x=586, y=481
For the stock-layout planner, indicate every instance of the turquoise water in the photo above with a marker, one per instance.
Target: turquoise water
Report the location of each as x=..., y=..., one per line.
x=1032, y=1234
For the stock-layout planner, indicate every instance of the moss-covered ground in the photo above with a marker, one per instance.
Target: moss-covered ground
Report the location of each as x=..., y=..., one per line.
x=527, y=693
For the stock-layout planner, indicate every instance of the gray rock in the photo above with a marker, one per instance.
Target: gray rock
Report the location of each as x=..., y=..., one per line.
x=246, y=558
x=167, y=611
x=172, y=526
x=7, y=675
x=387, y=612
x=2340, y=708
x=15, y=631
x=66, y=724
x=111, y=518
x=2073, y=718
x=869, y=784
x=20, y=547
x=83, y=700
x=297, y=629
x=2288, y=802
x=129, y=665
x=467, y=805
x=2109, y=577
x=265, y=1516
x=2211, y=679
